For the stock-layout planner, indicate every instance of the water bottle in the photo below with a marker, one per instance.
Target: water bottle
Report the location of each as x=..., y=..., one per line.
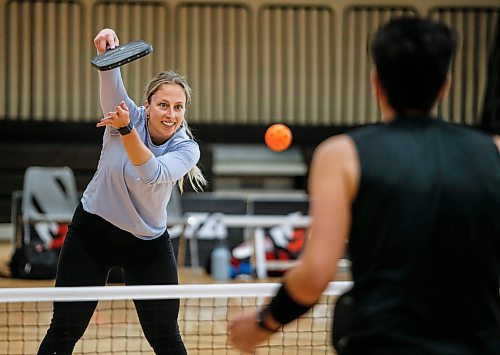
x=221, y=261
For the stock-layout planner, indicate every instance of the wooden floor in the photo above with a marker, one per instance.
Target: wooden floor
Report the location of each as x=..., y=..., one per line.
x=187, y=275
x=203, y=325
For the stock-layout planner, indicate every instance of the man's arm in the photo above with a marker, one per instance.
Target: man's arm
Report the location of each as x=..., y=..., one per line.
x=333, y=185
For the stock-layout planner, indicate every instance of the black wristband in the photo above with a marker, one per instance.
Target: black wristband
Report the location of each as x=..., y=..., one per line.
x=284, y=309
x=261, y=323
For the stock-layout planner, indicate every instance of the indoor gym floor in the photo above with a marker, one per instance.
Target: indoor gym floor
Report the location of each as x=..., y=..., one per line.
x=186, y=276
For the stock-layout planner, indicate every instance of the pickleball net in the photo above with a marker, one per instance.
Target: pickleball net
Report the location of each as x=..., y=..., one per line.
x=205, y=311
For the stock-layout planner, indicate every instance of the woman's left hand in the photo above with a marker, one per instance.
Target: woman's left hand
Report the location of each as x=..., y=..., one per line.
x=119, y=118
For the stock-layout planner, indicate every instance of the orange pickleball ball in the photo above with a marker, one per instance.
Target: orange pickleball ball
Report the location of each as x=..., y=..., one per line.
x=278, y=137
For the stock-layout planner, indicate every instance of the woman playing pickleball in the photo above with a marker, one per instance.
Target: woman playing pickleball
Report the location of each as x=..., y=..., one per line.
x=122, y=219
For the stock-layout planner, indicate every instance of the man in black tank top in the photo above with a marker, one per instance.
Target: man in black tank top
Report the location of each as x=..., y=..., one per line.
x=418, y=200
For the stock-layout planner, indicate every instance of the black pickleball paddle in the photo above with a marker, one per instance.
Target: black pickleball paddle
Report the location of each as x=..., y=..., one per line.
x=121, y=55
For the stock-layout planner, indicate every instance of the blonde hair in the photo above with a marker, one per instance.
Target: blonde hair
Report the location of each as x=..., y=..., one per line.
x=195, y=176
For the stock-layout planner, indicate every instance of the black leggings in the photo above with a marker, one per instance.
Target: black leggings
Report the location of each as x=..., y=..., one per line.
x=92, y=247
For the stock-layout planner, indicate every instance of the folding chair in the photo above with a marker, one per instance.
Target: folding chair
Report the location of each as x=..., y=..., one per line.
x=49, y=195
x=48, y=201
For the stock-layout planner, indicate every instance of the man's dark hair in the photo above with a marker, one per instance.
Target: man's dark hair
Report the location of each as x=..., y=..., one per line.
x=412, y=57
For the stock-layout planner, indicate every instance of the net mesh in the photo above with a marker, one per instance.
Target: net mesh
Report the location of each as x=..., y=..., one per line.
x=203, y=318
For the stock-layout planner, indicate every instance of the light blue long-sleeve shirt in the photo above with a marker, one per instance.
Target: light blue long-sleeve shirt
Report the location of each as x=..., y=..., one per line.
x=134, y=198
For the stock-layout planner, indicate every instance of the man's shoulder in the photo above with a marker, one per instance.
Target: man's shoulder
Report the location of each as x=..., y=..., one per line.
x=367, y=131
x=468, y=133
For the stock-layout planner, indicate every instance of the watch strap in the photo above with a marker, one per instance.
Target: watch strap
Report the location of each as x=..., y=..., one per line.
x=126, y=129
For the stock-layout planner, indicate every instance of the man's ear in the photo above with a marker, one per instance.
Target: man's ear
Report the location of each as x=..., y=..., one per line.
x=375, y=81
x=378, y=89
x=444, y=89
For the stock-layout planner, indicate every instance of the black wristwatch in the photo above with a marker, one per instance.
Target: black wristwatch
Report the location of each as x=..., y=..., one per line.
x=126, y=129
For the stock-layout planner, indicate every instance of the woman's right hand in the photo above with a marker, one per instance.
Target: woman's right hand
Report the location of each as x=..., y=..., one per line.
x=106, y=39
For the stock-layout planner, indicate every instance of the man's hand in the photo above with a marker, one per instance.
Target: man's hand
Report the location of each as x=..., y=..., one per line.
x=245, y=334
